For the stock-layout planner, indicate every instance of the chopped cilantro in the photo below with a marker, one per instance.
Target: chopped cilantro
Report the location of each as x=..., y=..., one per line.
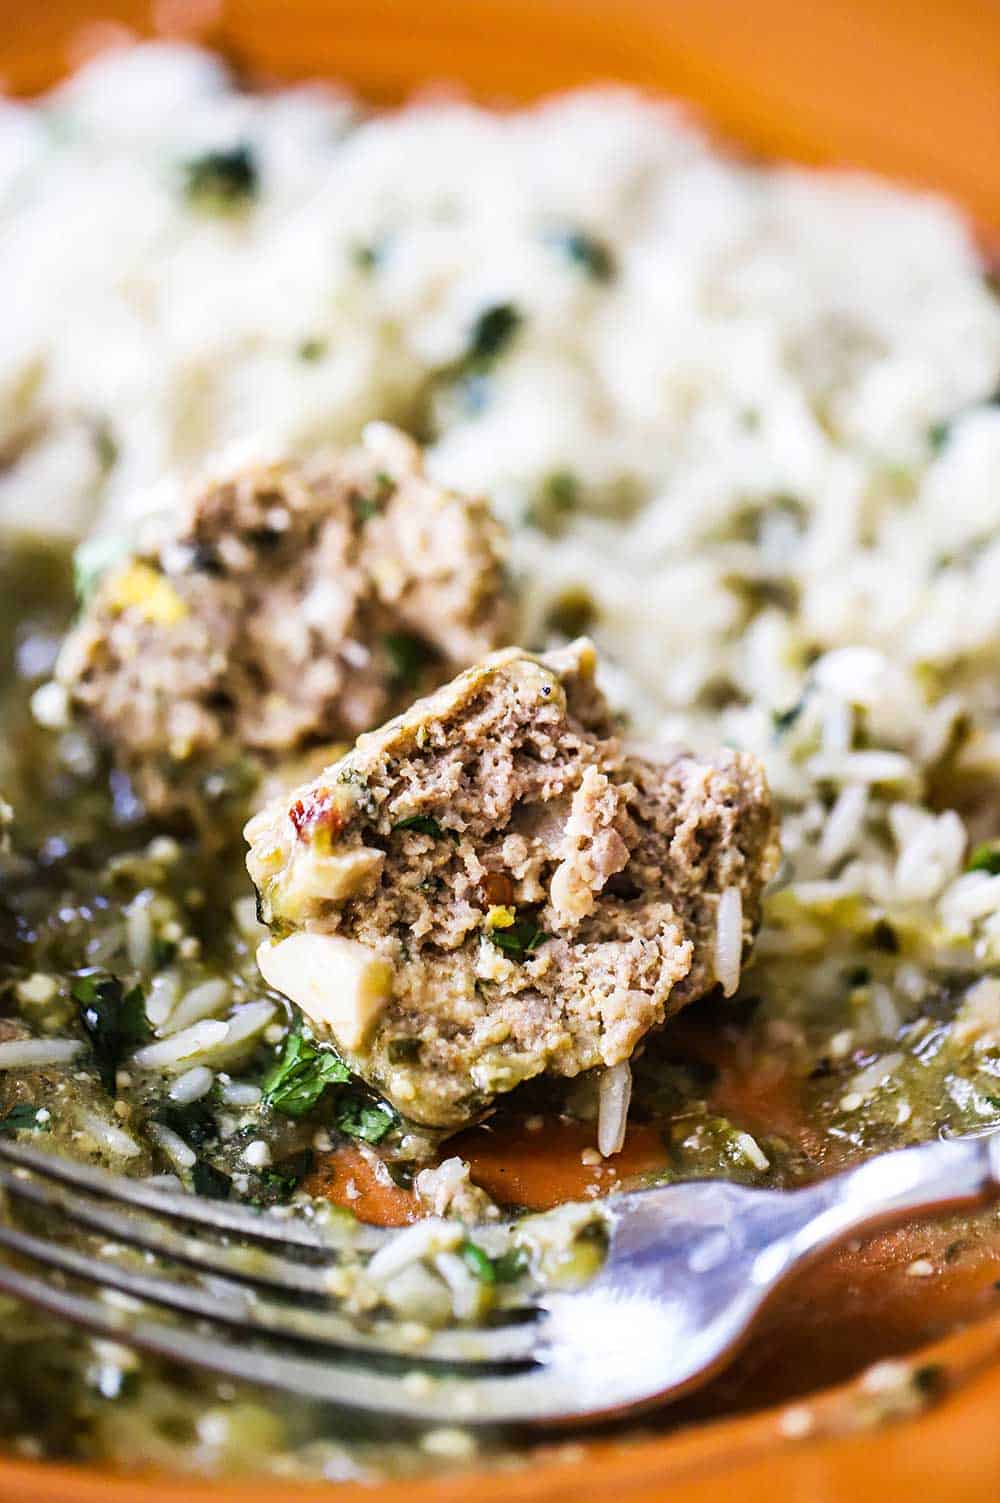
x=408, y=656
x=478, y=1262
x=21, y=1118
x=368, y=506
x=492, y=332
x=301, y=1074
x=985, y=858
x=369, y=1123
x=424, y=824
x=114, y=1020
x=281, y=1181
x=220, y=181
x=585, y=252
x=509, y=1266
x=195, y=1121
x=401, y=1175
x=555, y=500
x=365, y=257
x=364, y=508
x=937, y=436
x=783, y=720
x=519, y=939
x=211, y=1182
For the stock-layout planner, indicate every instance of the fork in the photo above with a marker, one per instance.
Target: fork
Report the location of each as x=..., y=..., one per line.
x=688, y=1269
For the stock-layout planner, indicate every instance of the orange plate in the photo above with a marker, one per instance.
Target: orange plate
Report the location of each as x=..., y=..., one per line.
x=900, y=86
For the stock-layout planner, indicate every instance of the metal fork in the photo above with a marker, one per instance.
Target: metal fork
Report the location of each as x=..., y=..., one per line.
x=687, y=1271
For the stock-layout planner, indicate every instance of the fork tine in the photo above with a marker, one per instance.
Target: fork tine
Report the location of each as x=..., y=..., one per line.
x=526, y=1397
x=235, y=1308
x=212, y=1213
x=243, y=1264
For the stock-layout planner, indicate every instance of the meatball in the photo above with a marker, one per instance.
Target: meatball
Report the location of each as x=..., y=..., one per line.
x=491, y=887
x=294, y=604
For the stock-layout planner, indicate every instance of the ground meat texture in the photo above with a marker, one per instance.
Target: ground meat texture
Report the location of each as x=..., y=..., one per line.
x=294, y=604
x=490, y=887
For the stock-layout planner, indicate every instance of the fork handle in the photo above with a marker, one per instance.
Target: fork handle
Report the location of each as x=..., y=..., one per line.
x=933, y=1178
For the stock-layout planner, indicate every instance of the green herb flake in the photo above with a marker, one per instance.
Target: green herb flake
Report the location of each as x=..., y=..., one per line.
x=937, y=436
x=477, y=1262
x=281, y=1181
x=222, y=181
x=369, y=1123
x=21, y=1118
x=985, y=858
x=554, y=502
x=783, y=720
x=311, y=350
x=519, y=939
x=113, y=1019
x=210, y=1182
x=424, y=824
x=510, y=1266
x=492, y=333
x=408, y=656
x=300, y=1075
x=364, y=257
x=584, y=251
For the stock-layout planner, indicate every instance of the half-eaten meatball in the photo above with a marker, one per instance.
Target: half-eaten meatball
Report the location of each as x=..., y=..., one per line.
x=490, y=887
x=295, y=604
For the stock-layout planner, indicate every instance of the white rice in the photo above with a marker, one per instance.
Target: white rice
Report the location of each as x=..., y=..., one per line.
x=161, y=997
x=202, y=1001
x=421, y=1240
x=192, y=1085
x=844, y=824
x=139, y=932
x=33, y=1054
x=729, y=939
x=173, y=1145
x=239, y=1092
x=180, y=1047
x=244, y=1023
x=877, y=1074
x=614, y=1095
x=752, y=1151
x=108, y=1136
